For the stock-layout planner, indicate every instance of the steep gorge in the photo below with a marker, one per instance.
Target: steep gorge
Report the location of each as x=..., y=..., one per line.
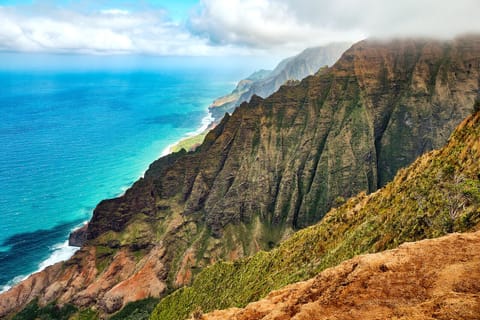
x=274, y=166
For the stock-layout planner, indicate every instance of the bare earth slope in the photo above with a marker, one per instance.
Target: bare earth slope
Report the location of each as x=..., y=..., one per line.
x=429, y=279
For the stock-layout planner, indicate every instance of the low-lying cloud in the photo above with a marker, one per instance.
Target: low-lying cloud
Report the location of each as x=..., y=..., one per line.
x=269, y=23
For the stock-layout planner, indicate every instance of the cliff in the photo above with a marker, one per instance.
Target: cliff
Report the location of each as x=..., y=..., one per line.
x=439, y=193
x=263, y=83
x=274, y=166
x=430, y=279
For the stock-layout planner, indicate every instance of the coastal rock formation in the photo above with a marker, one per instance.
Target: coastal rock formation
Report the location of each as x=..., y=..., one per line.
x=430, y=279
x=274, y=166
x=263, y=83
x=78, y=237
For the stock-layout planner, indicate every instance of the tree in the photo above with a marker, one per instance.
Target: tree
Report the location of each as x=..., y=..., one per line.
x=460, y=193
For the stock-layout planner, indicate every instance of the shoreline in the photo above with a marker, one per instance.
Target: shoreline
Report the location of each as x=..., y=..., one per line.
x=62, y=251
x=208, y=123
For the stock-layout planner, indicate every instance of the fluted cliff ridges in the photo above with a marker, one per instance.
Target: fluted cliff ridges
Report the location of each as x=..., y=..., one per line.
x=276, y=165
x=438, y=194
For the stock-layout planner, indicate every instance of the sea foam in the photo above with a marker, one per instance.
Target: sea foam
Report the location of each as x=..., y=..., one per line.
x=60, y=252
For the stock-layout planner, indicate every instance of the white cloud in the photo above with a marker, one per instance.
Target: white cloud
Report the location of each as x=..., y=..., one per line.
x=261, y=24
x=220, y=27
x=115, y=12
x=294, y=23
x=106, y=31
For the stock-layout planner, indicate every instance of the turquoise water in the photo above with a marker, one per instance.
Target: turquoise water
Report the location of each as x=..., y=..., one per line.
x=72, y=135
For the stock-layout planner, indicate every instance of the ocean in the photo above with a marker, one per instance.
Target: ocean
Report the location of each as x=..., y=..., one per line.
x=79, y=129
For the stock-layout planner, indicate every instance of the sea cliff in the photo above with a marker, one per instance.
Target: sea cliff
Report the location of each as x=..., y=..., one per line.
x=274, y=166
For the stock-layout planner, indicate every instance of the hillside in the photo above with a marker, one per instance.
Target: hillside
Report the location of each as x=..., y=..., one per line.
x=439, y=193
x=263, y=83
x=274, y=166
x=430, y=279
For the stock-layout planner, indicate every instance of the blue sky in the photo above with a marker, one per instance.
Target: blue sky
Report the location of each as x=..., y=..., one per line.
x=178, y=9
x=221, y=27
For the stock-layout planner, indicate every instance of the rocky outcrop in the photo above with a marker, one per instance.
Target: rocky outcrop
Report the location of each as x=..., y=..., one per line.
x=274, y=166
x=78, y=236
x=430, y=279
x=263, y=83
x=85, y=280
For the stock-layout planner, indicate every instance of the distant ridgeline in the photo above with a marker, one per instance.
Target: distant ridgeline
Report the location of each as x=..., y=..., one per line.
x=265, y=82
x=280, y=164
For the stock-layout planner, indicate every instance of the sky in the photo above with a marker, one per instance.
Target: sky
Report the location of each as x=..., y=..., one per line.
x=221, y=27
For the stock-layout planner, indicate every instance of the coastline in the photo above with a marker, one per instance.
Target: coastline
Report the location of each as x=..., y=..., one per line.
x=63, y=251
x=60, y=252
x=206, y=124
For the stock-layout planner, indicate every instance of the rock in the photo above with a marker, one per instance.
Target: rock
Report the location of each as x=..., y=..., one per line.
x=414, y=206
x=78, y=236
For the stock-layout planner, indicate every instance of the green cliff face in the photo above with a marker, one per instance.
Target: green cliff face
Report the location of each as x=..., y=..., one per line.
x=280, y=164
x=437, y=194
x=274, y=166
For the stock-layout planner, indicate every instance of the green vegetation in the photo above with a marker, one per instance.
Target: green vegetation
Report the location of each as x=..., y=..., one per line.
x=49, y=312
x=52, y=311
x=439, y=193
x=103, y=257
x=138, y=310
x=87, y=314
x=190, y=143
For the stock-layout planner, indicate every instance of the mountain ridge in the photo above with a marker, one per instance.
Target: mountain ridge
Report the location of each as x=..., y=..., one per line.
x=263, y=83
x=275, y=165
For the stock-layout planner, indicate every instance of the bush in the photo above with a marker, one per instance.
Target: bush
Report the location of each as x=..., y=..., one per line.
x=50, y=312
x=137, y=310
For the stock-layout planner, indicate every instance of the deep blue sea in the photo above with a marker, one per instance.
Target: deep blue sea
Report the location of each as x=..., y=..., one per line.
x=76, y=130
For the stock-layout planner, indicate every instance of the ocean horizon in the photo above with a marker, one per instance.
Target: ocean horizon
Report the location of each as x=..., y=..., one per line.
x=80, y=129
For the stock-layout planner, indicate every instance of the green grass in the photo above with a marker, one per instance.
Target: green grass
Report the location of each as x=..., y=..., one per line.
x=189, y=143
x=87, y=314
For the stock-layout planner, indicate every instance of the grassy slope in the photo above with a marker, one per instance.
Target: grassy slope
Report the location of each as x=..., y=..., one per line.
x=438, y=194
x=189, y=143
